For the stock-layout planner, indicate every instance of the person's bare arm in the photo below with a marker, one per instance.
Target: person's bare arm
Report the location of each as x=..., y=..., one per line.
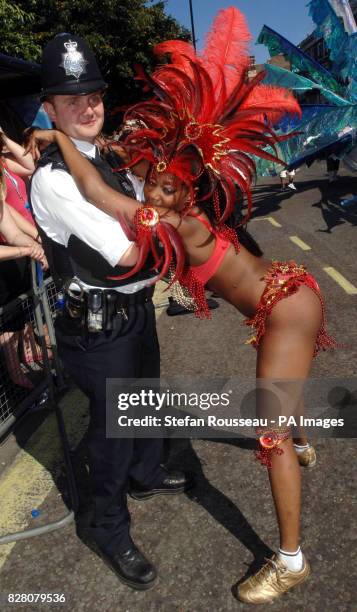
x=98, y=193
x=19, y=161
x=16, y=252
x=12, y=233
x=89, y=181
x=86, y=177
x=16, y=238
x=17, y=168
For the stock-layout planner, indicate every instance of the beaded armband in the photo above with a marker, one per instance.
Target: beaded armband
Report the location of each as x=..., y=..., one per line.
x=146, y=230
x=269, y=441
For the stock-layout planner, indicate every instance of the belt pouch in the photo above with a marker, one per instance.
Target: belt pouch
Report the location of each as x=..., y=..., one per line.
x=95, y=310
x=110, y=298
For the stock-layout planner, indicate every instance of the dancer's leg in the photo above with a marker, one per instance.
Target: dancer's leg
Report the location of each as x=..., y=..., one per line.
x=286, y=352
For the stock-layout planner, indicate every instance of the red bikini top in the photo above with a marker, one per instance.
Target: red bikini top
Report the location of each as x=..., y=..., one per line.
x=205, y=271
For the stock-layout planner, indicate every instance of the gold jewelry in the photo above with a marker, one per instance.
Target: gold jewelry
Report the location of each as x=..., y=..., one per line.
x=161, y=166
x=148, y=216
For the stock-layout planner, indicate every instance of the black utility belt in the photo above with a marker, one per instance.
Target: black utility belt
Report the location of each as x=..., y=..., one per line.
x=99, y=310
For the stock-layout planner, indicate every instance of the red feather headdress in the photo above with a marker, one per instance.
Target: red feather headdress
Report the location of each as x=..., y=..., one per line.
x=205, y=116
x=206, y=102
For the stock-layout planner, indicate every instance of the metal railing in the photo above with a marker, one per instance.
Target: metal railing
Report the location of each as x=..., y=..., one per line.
x=27, y=323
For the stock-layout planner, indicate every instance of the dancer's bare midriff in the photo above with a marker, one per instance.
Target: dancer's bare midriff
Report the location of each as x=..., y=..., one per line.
x=240, y=280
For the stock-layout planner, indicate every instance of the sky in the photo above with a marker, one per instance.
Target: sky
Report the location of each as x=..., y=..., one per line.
x=288, y=17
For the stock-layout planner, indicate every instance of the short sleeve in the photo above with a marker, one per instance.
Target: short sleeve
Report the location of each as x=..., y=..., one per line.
x=61, y=211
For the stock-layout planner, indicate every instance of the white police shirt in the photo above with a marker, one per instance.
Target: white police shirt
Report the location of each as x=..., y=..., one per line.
x=61, y=210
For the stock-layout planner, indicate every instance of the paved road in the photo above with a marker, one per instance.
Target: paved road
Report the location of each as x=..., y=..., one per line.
x=204, y=542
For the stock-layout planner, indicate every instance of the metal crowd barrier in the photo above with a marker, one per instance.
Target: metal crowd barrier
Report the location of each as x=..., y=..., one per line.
x=32, y=314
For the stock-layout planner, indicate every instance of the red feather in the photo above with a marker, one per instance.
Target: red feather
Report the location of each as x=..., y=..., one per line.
x=180, y=53
x=168, y=252
x=179, y=249
x=176, y=84
x=143, y=253
x=227, y=47
x=275, y=100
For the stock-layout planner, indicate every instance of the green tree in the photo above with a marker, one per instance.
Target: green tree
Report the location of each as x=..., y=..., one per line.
x=121, y=33
x=15, y=32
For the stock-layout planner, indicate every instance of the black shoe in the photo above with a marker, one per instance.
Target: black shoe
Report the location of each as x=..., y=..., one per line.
x=176, y=309
x=132, y=568
x=212, y=304
x=174, y=483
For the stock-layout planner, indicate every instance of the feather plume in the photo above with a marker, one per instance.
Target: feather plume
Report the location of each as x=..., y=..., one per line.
x=176, y=49
x=180, y=53
x=227, y=47
x=275, y=100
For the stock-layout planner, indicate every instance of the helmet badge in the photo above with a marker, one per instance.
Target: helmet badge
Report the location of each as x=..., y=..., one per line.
x=73, y=62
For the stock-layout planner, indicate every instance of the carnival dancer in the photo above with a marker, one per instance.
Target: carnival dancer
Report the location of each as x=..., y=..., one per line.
x=109, y=329
x=203, y=121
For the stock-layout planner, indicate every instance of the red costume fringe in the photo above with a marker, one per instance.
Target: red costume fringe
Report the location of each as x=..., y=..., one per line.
x=284, y=279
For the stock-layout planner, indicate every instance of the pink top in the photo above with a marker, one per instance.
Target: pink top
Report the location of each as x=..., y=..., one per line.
x=16, y=194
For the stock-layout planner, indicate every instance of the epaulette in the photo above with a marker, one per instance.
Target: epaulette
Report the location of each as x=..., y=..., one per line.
x=52, y=155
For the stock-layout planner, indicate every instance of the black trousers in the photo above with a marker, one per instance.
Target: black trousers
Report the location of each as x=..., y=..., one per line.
x=129, y=351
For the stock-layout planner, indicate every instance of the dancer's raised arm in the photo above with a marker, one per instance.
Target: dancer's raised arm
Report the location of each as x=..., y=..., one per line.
x=138, y=223
x=86, y=177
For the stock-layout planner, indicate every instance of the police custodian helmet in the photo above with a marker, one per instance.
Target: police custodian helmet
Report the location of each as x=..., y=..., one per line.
x=69, y=67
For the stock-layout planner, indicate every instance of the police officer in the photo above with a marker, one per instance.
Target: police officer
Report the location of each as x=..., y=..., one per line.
x=108, y=328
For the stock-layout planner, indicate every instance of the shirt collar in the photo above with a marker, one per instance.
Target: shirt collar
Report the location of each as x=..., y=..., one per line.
x=134, y=177
x=87, y=148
